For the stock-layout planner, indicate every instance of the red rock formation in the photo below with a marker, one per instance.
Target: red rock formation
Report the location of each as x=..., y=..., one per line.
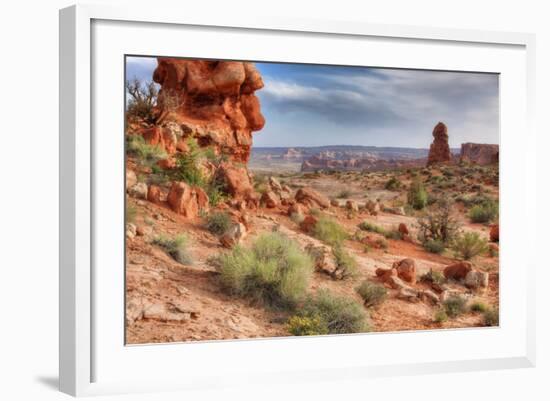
x=439, y=149
x=479, y=153
x=212, y=101
x=457, y=271
x=186, y=200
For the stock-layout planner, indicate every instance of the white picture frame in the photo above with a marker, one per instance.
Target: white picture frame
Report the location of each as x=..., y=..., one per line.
x=88, y=366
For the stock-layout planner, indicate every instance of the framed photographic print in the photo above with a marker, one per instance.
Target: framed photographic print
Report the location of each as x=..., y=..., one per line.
x=290, y=200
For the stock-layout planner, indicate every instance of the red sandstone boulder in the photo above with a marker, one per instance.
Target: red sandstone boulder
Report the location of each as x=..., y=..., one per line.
x=494, y=233
x=312, y=198
x=385, y=274
x=297, y=208
x=403, y=229
x=457, y=271
x=236, y=179
x=186, y=200
x=154, y=194
x=309, y=223
x=439, y=149
x=352, y=205
x=406, y=270
x=270, y=199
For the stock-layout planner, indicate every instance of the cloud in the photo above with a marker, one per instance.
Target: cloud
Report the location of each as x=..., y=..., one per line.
x=405, y=104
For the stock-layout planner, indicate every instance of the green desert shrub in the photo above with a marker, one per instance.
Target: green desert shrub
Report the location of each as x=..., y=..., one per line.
x=329, y=231
x=297, y=217
x=372, y=293
x=434, y=246
x=176, y=247
x=392, y=184
x=338, y=315
x=433, y=277
x=417, y=196
x=346, y=264
x=344, y=194
x=438, y=224
x=468, y=245
x=479, y=306
x=187, y=165
x=367, y=226
x=441, y=316
x=484, y=212
x=273, y=271
x=306, y=326
x=491, y=317
x=146, y=155
x=131, y=213
x=218, y=223
x=455, y=306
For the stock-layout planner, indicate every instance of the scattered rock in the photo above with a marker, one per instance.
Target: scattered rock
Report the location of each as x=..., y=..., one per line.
x=395, y=282
x=406, y=270
x=309, y=223
x=143, y=230
x=312, y=198
x=385, y=274
x=233, y=236
x=131, y=230
x=372, y=207
x=408, y=294
x=352, y=205
x=138, y=190
x=154, y=194
x=131, y=178
x=323, y=259
x=236, y=179
x=270, y=199
x=403, y=229
x=275, y=185
x=297, y=208
x=187, y=200
x=476, y=279
x=335, y=202
x=439, y=149
x=494, y=233
x=429, y=296
x=400, y=211
x=457, y=271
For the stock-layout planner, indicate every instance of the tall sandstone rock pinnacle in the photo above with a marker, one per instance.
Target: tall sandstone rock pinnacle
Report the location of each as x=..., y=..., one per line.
x=439, y=149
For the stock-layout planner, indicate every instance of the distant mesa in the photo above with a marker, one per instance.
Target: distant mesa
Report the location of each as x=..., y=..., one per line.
x=439, y=149
x=479, y=153
x=292, y=153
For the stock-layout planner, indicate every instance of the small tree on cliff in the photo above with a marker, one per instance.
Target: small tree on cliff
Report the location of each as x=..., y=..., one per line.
x=142, y=99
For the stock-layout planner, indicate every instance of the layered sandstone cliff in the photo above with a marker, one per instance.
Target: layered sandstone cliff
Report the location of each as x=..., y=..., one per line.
x=479, y=153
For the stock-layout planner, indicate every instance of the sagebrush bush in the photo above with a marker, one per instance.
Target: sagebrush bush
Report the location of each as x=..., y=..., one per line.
x=218, y=223
x=468, y=245
x=491, y=317
x=392, y=184
x=478, y=306
x=438, y=224
x=433, y=277
x=372, y=293
x=346, y=264
x=176, y=247
x=329, y=231
x=367, y=226
x=306, y=326
x=434, y=246
x=131, y=213
x=274, y=271
x=455, y=306
x=187, y=165
x=344, y=194
x=146, y=155
x=484, y=212
x=417, y=196
x=440, y=316
x=339, y=315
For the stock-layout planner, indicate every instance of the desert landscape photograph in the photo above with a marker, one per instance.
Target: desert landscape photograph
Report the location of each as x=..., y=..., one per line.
x=270, y=199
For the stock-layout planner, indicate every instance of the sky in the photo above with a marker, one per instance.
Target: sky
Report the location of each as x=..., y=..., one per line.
x=315, y=105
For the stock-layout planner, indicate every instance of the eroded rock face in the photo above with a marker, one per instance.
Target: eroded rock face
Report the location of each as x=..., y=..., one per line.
x=186, y=200
x=439, y=149
x=479, y=153
x=212, y=101
x=311, y=198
